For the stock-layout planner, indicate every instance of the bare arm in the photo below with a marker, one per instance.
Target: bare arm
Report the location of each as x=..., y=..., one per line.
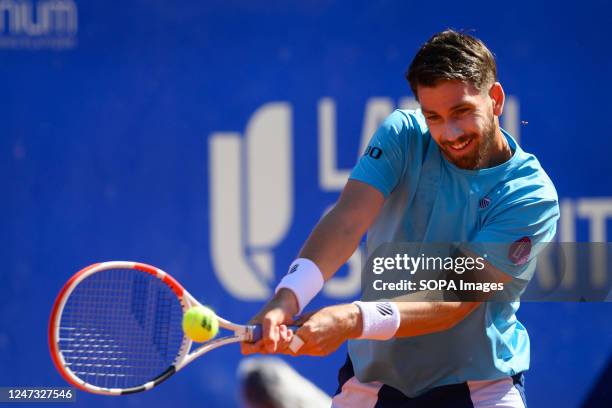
x=330, y=244
x=324, y=331
x=418, y=318
x=337, y=235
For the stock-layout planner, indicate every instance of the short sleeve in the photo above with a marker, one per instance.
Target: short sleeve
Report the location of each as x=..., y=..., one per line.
x=383, y=162
x=514, y=235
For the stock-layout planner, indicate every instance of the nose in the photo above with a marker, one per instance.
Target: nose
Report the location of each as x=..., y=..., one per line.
x=451, y=132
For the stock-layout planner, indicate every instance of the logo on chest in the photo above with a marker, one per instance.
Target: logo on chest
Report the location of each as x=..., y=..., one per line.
x=484, y=203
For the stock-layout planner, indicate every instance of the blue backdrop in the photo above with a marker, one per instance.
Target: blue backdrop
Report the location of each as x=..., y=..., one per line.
x=207, y=138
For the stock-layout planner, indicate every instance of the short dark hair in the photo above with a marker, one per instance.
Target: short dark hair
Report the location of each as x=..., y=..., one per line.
x=452, y=55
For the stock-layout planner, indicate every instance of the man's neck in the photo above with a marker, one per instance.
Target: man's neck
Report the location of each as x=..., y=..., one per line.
x=500, y=151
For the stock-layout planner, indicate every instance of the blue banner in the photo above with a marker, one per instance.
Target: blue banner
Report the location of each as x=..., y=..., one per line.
x=208, y=138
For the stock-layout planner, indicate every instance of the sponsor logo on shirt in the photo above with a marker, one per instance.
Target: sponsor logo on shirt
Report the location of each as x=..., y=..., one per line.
x=519, y=251
x=373, y=152
x=484, y=202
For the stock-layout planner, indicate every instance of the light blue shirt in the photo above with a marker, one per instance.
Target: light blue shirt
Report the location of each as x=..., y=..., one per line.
x=428, y=199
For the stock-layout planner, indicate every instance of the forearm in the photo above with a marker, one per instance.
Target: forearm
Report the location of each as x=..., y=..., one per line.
x=332, y=242
x=419, y=318
x=416, y=318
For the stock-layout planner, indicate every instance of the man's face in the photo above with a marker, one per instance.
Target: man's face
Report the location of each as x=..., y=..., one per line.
x=461, y=121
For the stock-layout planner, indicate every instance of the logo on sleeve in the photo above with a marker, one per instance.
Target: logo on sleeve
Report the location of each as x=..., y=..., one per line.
x=292, y=269
x=519, y=251
x=373, y=152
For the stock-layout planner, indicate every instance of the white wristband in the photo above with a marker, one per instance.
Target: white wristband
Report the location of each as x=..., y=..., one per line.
x=304, y=279
x=380, y=320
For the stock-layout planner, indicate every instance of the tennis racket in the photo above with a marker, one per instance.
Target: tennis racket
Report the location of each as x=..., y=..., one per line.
x=116, y=329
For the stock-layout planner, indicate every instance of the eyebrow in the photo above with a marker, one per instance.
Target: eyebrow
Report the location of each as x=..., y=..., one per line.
x=458, y=106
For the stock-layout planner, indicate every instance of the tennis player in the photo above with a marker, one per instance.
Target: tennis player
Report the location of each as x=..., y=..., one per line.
x=444, y=173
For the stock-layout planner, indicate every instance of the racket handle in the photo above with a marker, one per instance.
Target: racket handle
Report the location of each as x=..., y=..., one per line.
x=257, y=331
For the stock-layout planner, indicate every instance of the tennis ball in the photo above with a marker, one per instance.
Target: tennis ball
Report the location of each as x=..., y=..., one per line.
x=200, y=324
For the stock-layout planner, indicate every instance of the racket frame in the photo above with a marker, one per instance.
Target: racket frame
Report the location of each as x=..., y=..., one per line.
x=241, y=333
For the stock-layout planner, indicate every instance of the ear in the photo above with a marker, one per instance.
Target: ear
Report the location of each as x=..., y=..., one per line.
x=497, y=95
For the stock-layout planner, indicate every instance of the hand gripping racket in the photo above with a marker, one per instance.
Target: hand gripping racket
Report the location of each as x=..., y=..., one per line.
x=116, y=328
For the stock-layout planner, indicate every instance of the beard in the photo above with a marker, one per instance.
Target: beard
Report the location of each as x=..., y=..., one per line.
x=478, y=158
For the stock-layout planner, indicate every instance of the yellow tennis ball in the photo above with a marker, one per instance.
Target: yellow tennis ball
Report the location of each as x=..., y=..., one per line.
x=200, y=324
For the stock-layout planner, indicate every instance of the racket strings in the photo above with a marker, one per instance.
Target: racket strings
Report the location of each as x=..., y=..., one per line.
x=120, y=328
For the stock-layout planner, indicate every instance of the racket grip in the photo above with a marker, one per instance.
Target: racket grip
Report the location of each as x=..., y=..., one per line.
x=257, y=331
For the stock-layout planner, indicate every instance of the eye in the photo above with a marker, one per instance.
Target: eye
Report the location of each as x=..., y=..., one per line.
x=462, y=111
x=432, y=118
